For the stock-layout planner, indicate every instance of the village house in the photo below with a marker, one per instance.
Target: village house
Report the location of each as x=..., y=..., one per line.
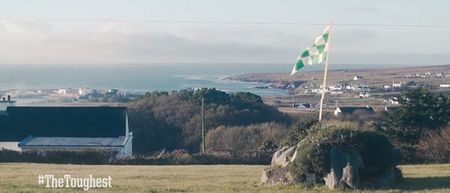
x=444, y=85
x=306, y=106
x=396, y=84
x=6, y=102
x=348, y=111
x=357, y=77
x=67, y=128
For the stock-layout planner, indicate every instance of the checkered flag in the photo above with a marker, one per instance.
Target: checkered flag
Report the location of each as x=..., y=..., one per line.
x=315, y=54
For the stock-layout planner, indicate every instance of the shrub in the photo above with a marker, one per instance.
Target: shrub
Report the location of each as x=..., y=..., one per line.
x=299, y=130
x=62, y=157
x=209, y=158
x=435, y=146
x=246, y=138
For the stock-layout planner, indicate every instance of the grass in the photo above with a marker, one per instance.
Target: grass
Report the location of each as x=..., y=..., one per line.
x=22, y=177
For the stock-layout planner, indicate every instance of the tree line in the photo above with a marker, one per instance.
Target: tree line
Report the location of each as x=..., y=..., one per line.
x=162, y=120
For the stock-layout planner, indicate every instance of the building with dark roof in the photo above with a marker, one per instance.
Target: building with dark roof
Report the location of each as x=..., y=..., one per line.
x=71, y=128
x=345, y=111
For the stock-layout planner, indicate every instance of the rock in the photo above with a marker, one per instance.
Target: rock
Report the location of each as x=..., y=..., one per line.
x=331, y=180
x=278, y=172
x=350, y=176
x=344, y=167
x=275, y=175
x=283, y=157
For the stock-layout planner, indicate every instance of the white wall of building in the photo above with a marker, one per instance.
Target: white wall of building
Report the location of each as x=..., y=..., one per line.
x=10, y=145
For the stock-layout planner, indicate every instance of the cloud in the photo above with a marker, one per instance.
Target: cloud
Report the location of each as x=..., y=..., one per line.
x=12, y=25
x=39, y=42
x=363, y=9
x=105, y=43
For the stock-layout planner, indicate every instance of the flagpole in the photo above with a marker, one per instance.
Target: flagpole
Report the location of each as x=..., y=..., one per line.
x=325, y=74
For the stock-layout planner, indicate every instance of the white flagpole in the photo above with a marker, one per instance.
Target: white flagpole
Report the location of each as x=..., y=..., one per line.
x=325, y=72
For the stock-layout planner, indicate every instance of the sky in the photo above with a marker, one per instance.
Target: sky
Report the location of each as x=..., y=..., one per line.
x=151, y=32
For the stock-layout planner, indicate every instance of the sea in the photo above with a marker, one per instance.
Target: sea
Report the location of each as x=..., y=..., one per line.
x=152, y=77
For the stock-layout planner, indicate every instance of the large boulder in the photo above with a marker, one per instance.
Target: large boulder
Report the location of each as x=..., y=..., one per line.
x=283, y=157
x=278, y=172
x=275, y=175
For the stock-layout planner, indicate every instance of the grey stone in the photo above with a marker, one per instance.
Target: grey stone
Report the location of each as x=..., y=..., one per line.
x=350, y=176
x=344, y=166
x=275, y=175
x=331, y=180
x=283, y=157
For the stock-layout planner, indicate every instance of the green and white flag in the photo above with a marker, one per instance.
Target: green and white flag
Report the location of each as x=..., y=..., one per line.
x=315, y=54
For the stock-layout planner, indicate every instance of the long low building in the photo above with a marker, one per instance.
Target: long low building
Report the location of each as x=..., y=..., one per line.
x=121, y=145
x=67, y=128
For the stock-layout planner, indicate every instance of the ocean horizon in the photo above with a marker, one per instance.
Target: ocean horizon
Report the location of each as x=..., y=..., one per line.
x=148, y=78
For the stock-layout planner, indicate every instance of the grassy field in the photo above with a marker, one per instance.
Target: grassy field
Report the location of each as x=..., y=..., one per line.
x=22, y=177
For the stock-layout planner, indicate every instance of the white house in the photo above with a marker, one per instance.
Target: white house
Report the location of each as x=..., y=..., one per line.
x=345, y=111
x=444, y=85
x=364, y=94
x=357, y=77
x=62, y=91
x=5, y=102
x=393, y=100
x=396, y=84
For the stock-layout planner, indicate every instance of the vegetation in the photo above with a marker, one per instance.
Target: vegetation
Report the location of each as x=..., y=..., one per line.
x=61, y=157
x=314, y=154
x=436, y=146
x=22, y=177
x=173, y=121
x=419, y=114
x=241, y=122
x=238, y=139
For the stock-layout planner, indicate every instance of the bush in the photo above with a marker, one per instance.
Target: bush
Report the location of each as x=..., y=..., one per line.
x=419, y=112
x=61, y=157
x=299, y=130
x=435, y=146
x=265, y=136
x=314, y=154
x=203, y=159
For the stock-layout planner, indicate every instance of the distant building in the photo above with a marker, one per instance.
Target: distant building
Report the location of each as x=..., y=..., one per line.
x=62, y=91
x=307, y=106
x=357, y=77
x=337, y=92
x=350, y=87
x=393, y=100
x=444, y=85
x=5, y=102
x=81, y=91
x=391, y=109
x=363, y=88
x=396, y=84
x=69, y=128
x=364, y=94
x=345, y=111
x=411, y=84
x=113, y=91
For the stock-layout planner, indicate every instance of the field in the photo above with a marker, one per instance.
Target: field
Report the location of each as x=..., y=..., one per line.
x=22, y=177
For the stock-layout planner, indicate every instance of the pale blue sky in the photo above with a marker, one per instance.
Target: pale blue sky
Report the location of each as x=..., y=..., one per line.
x=108, y=32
